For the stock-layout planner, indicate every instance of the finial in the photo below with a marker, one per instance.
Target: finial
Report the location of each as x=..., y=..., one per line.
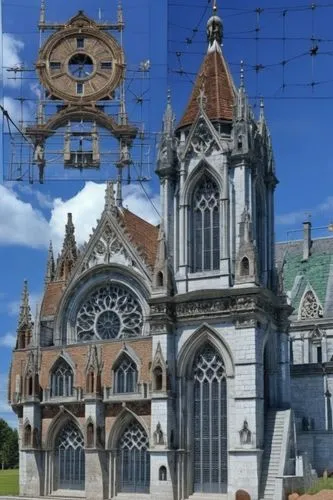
x=169, y=117
x=50, y=267
x=214, y=31
x=242, y=78
x=110, y=202
x=262, y=109
x=42, y=19
x=25, y=311
x=120, y=15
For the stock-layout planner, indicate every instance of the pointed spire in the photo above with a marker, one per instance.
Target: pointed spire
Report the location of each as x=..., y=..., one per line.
x=50, y=267
x=42, y=16
x=120, y=15
x=25, y=319
x=169, y=117
x=214, y=31
x=242, y=102
x=242, y=78
x=68, y=256
x=262, y=109
x=110, y=201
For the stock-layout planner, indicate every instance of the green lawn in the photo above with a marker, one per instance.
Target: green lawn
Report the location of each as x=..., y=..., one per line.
x=321, y=484
x=9, y=482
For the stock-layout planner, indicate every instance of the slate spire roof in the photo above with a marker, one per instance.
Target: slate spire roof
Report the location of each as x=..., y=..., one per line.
x=214, y=78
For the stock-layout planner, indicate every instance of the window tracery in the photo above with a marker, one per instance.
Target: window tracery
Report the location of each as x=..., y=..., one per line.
x=126, y=376
x=310, y=307
x=70, y=463
x=206, y=225
x=210, y=422
x=109, y=312
x=62, y=380
x=135, y=460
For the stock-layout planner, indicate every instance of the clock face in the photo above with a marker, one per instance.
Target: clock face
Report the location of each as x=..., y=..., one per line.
x=86, y=65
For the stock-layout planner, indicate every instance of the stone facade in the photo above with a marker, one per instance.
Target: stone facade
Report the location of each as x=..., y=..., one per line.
x=305, y=267
x=158, y=351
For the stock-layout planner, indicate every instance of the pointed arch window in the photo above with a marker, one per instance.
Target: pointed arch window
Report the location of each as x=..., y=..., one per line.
x=134, y=466
x=310, y=306
x=126, y=375
x=206, y=225
x=62, y=380
x=209, y=422
x=70, y=463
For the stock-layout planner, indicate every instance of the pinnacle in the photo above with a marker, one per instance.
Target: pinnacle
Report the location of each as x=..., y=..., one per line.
x=25, y=311
x=110, y=201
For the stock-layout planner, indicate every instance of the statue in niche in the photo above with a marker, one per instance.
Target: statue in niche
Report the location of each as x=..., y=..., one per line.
x=245, y=434
x=158, y=435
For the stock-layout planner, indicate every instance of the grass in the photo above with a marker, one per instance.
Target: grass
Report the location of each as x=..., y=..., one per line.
x=9, y=482
x=321, y=484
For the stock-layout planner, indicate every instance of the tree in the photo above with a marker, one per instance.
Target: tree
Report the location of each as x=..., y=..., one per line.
x=9, y=456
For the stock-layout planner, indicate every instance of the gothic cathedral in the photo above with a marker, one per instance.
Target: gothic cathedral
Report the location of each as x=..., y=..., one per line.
x=158, y=366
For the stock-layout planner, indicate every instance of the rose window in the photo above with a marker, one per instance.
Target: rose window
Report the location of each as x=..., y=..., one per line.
x=110, y=312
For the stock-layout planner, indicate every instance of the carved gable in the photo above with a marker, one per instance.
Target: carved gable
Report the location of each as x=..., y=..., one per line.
x=203, y=138
x=110, y=244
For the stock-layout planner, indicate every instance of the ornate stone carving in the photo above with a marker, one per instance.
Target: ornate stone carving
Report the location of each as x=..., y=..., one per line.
x=109, y=312
x=202, y=139
x=108, y=249
x=310, y=307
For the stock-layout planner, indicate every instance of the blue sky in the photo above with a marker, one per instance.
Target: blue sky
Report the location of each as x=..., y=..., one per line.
x=298, y=113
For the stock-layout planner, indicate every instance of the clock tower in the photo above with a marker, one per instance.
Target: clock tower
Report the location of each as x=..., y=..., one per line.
x=81, y=65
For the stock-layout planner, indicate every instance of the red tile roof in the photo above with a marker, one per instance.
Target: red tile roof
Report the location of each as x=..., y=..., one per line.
x=144, y=235
x=216, y=79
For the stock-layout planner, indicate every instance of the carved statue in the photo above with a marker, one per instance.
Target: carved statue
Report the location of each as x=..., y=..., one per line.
x=245, y=434
x=158, y=435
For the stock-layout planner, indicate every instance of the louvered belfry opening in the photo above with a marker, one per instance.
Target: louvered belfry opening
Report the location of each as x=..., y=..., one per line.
x=69, y=459
x=134, y=460
x=210, y=422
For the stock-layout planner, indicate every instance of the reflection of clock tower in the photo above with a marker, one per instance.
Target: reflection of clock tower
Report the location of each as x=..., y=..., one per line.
x=81, y=65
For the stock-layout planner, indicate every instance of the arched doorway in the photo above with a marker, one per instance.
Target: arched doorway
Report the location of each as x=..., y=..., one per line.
x=69, y=459
x=134, y=460
x=210, y=457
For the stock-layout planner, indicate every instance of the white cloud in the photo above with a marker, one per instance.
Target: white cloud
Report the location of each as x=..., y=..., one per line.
x=11, y=48
x=8, y=340
x=17, y=114
x=296, y=217
x=87, y=206
x=4, y=407
x=20, y=223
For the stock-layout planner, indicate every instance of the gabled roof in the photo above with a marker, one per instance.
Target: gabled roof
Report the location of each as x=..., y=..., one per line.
x=315, y=272
x=143, y=234
x=215, y=78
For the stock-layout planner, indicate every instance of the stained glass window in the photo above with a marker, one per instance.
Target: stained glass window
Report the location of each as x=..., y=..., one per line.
x=134, y=460
x=206, y=226
x=70, y=460
x=210, y=422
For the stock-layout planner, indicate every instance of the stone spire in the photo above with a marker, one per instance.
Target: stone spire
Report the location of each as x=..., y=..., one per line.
x=25, y=311
x=110, y=201
x=50, y=267
x=68, y=256
x=214, y=31
x=161, y=276
x=169, y=117
x=242, y=102
x=42, y=15
x=25, y=323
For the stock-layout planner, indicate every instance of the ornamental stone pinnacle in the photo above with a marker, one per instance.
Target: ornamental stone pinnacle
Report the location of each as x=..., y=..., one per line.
x=110, y=201
x=25, y=318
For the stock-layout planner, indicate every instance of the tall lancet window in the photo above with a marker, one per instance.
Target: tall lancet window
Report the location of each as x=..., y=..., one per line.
x=210, y=422
x=206, y=225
